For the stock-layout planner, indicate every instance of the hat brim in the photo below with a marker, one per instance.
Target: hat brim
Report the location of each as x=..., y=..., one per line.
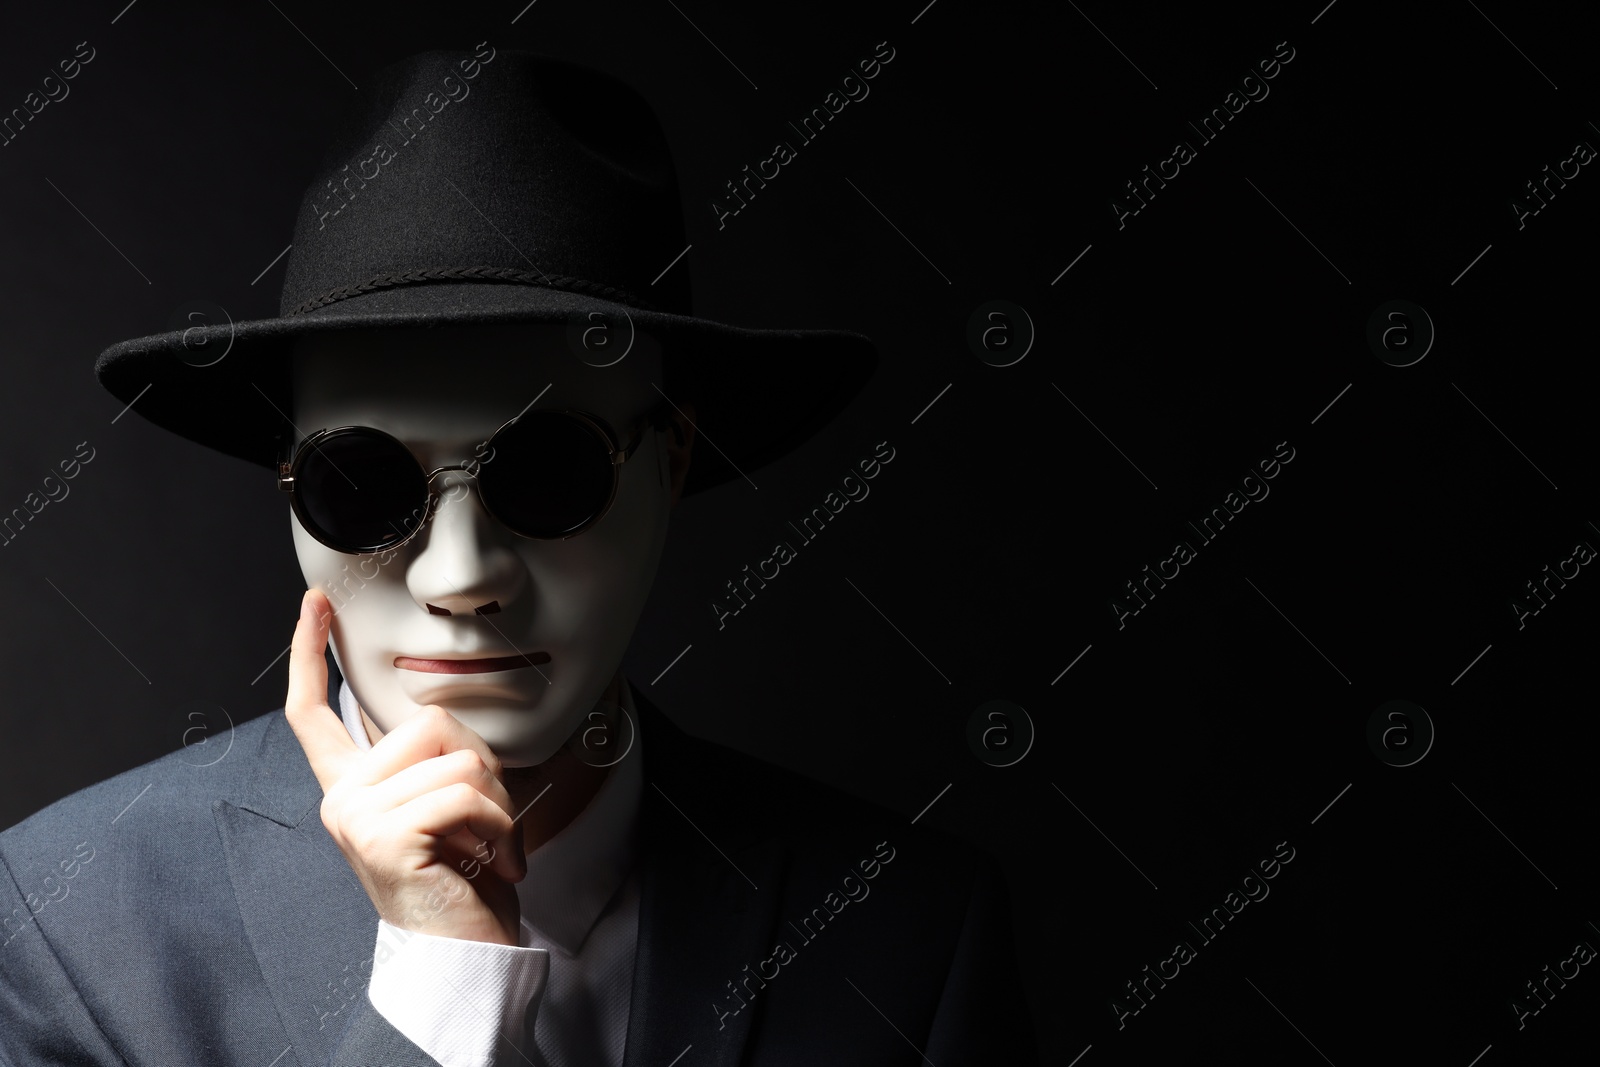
x=759, y=393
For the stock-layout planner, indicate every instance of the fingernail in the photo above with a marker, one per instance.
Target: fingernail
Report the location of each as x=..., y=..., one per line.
x=307, y=614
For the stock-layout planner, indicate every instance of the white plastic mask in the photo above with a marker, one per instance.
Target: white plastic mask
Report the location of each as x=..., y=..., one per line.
x=442, y=392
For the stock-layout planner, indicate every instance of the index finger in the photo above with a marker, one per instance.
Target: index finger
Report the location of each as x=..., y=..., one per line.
x=328, y=745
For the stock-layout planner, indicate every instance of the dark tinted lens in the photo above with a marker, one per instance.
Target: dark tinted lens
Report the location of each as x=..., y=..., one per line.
x=548, y=475
x=360, y=490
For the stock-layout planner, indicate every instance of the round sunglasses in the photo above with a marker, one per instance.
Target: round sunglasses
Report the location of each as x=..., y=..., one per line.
x=547, y=475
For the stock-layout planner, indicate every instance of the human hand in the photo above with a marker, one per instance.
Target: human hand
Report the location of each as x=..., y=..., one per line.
x=418, y=813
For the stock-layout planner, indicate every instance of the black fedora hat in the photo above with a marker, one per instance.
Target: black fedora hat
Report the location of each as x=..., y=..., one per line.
x=485, y=186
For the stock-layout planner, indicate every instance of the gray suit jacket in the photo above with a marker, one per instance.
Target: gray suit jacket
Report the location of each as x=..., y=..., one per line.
x=181, y=915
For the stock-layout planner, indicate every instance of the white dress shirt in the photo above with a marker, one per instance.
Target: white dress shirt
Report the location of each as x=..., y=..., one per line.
x=561, y=997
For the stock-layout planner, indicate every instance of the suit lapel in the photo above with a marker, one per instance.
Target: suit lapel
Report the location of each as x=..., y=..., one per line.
x=711, y=881
x=306, y=917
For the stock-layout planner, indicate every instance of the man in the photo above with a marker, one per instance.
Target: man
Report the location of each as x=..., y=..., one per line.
x=497, y=850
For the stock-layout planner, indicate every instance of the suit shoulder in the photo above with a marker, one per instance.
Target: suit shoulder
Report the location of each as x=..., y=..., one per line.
x=174, y=791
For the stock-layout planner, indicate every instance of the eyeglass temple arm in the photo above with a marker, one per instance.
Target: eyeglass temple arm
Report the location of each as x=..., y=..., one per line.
x=657, y=417
x=284, y=464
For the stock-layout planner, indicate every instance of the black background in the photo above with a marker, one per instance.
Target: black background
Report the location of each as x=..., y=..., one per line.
x=1221, y=320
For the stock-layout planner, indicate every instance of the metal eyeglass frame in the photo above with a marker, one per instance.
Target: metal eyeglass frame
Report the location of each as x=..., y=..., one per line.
x=289, y=465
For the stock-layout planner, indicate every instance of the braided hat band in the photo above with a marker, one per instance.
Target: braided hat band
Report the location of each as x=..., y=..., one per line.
x=502, y=275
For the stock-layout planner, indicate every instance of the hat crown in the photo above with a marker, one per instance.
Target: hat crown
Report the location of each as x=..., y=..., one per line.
x=505, y=163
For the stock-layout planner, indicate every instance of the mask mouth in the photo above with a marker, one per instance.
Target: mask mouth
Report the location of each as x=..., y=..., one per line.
x=451, y=665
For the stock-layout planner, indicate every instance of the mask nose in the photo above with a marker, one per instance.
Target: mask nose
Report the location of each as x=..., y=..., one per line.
x=465, y=566
x=486, y=609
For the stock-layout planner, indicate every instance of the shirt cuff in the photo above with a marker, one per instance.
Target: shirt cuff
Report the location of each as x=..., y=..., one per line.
x=455, y=998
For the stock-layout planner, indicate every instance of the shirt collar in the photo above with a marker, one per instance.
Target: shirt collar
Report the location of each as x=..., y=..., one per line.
x=574, y=875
